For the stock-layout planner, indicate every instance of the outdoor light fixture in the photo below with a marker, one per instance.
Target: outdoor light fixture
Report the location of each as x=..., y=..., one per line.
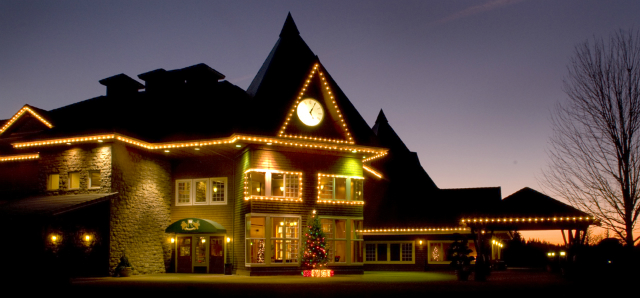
x=238, y=146
x=203, y=240
x=166, y=151
x=100, y=141
x=87, y=237
x=562, y=253
x=420, y=242
x=197, y=149
x=228, y=239
x=54, y=238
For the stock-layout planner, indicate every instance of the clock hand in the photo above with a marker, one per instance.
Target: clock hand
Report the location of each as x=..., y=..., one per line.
x=314, y=105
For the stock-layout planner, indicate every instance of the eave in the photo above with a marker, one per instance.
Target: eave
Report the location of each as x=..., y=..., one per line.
x=25, y=109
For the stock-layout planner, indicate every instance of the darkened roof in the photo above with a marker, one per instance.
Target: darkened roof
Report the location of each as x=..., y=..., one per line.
x=50, y=205
x=531, y=203
x=192, y=103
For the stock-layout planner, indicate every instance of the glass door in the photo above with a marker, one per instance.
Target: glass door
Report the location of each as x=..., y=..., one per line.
x=184, y=254
x=201, y=256
x=216, y=254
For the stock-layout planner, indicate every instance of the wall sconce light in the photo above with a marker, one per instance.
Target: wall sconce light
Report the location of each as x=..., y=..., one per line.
x=173, y=240
x=203, y=240
x=228, y=239
x=54, y=238
x=87, y=237
x=562, y=253
x=420, y=243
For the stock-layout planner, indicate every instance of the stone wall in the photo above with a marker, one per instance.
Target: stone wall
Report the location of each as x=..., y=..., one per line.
x=141, y=210
x=81, y=159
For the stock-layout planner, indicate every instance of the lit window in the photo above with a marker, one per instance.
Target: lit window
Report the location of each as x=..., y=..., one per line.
x=201, y=191
x=94, y=179
x=183, y=192
x=273, y=184
x=438, y=251
x=343, y=243
x=395, y=252
x=340, y=188
x=74, y=180
x=280, y=246
x=53, y=182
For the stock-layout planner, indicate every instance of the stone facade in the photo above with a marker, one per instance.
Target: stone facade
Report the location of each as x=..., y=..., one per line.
x=141, y=210
x=82, y=159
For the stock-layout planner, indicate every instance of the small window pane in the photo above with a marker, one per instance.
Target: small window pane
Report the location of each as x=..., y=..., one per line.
x=356, y=225
x=217, y=190
x=382, y=252
x=356, y=189
x=341, y=228
x=201, y=191
x=256, y=226
x=74, y=180
x=340, y=255
x=277, y=227
x=356, y=251
x=94, y=179
x=292, y=185
x=255, y=250
x=326, y=188
x=371, y=252
x=53, y=181
x=341, y=188
x=435, y=252
x=407, y=251
x=327, y=228
x=184, y=192
x=277, y=184
x=394, y=251
x=257, y=183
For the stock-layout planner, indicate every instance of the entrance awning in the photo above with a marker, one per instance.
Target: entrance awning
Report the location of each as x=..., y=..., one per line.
x=195, y=225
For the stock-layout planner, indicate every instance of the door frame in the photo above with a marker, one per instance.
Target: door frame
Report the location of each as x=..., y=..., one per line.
x=194, y=236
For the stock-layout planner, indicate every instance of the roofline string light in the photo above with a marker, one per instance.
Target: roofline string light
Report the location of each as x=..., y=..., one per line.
x=248, y=197
x=372, y=171
x=335, y=106
x=19, y=157
x=19, y=114
x=412, y=230
x=340, y=202
x=507, y=220
x=309, y=144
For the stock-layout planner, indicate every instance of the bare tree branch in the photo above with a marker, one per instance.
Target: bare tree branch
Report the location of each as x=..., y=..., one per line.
x=594, y=153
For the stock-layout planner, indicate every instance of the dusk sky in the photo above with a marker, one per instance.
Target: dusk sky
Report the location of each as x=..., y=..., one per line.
x=468, y=85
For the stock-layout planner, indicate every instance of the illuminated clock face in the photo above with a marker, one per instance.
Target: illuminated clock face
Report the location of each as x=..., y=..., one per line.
x=310, y=111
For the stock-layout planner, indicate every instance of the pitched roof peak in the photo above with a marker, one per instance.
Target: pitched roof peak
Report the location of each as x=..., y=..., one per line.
x=381, y=118
x=289, y=27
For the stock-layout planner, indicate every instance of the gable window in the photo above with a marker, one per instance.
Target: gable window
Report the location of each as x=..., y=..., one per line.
x=201, y=191
x=74, y=180
x=53, y=182
x=273, y=185
x=94, y=179
x=340, y=188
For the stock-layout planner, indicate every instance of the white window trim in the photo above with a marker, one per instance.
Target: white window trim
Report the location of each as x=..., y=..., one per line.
x=192, y=192
x=388, y=243
x=190, y=182
x=267, y=239
x=348, y=239
x=210, y=189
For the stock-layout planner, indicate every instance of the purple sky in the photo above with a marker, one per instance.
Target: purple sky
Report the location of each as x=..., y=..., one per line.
x=469, y=85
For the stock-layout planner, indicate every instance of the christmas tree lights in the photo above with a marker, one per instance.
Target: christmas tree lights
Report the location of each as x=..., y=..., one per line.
x=315, y=253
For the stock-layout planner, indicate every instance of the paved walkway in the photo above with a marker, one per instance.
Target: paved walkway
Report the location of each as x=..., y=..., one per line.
x=371, y=284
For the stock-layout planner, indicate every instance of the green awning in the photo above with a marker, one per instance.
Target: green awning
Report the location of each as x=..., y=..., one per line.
x=195, y=225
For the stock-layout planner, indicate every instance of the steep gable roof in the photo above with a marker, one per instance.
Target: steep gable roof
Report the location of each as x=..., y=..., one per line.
x=26, y=111
x=279, y=81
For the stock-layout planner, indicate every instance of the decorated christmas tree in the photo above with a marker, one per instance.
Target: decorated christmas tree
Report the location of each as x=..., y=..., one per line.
x=314, y=254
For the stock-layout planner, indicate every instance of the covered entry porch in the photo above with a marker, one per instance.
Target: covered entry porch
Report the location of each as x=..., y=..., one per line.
x=198, y=246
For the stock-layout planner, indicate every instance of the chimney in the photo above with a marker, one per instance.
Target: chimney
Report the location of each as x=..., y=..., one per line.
x=121, y=84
